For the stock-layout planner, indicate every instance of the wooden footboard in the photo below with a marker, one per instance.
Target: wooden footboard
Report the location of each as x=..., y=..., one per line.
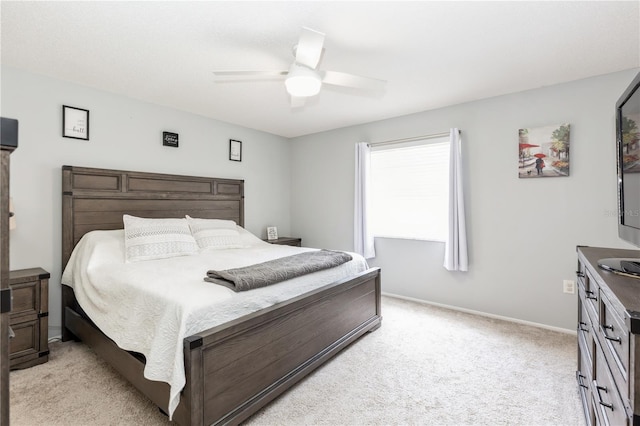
x=237, y=368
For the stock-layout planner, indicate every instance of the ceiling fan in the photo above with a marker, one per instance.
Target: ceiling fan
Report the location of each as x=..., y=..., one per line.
x=303, y=79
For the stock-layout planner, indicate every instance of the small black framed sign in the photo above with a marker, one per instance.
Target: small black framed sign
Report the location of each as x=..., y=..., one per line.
x=235, y=150
x=75, y=123
x=170, y=139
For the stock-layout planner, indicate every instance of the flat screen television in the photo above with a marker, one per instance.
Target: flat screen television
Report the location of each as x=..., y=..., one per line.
x=628, y=166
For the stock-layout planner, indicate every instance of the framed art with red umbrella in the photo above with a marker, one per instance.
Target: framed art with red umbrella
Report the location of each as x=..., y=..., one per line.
x=544, y=151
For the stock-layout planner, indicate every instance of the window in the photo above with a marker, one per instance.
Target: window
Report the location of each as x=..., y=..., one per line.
x=410, y=190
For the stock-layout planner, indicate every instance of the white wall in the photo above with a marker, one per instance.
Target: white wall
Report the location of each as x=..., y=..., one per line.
x=125, y=134
x=522, y=232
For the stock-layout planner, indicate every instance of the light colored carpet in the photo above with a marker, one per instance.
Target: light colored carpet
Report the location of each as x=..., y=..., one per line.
x=424, y=366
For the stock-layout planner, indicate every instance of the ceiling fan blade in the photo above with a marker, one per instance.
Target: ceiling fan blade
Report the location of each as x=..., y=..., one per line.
x=350, y=80
x=229, y=75
x=309, y=48
x=298, y=101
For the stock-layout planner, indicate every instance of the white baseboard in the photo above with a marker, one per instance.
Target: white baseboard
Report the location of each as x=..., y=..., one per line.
x=483, y=314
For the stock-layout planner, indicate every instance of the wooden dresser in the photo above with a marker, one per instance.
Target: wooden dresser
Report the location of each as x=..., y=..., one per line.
x=29, y=317
x=608, y=340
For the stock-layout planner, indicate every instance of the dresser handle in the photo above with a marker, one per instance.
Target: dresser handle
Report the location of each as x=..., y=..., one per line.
x=614, y=339
x=610, y=327
x=580, y=383
x=583, y=324
x=602, y=388
x=580, y=274
x=589, y=295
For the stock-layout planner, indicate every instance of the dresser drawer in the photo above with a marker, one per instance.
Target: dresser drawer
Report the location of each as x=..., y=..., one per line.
x=591, y=297
x=615, y=343
x=585, y=328
x=608, y=404
x=584, y=376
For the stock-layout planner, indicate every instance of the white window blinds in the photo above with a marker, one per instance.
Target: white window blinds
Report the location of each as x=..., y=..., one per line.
x=410, y=190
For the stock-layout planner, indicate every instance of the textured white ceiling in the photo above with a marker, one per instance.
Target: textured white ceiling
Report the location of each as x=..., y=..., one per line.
x=432, y=54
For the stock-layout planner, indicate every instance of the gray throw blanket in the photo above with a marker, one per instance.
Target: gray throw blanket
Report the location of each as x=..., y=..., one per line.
x=277, y=270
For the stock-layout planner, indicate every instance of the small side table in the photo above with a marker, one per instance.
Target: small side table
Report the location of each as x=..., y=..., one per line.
x=286, y=241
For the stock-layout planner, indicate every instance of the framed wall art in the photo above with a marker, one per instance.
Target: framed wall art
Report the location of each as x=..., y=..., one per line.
x=170, y=139
x=544, y=151
x=75, y=123
x=235, y=150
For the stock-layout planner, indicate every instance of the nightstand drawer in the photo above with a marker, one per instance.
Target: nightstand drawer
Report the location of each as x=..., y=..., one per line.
x=26, y=301
x=26, y=340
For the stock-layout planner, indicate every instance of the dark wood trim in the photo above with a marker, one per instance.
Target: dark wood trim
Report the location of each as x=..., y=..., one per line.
x=300, y=334
x=5, y=153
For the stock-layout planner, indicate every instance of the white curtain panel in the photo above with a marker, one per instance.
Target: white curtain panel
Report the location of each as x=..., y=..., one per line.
x=362, y=237
x=455, y=256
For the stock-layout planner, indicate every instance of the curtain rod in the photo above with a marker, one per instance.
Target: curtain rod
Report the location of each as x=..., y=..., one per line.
x=415, y=138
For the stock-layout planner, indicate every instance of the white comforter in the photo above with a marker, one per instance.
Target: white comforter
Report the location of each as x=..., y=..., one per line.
x=149, y=307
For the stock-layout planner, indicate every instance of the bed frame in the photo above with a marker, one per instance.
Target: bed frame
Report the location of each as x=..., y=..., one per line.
x=234, y=369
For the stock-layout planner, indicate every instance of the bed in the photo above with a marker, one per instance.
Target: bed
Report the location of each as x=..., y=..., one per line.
x=278, y=345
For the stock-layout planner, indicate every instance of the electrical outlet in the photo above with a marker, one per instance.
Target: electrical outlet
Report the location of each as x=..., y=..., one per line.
x=569, y=286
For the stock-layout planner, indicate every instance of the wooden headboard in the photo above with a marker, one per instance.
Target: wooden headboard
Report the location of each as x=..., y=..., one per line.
x=94, y=199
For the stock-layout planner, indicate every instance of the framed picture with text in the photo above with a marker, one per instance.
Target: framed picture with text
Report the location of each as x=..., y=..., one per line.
x=75, y=123
x=170, y=139
x=272, y=233
x=235, y=150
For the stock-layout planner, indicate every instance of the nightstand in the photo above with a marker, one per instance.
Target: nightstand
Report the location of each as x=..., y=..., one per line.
x=286, y=241
x=29, y=317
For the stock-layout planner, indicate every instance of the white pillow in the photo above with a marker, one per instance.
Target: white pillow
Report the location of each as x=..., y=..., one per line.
x=215, y=234
x=147, y=239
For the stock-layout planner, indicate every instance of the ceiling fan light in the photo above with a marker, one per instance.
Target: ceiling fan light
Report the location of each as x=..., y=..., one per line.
x=302, y=81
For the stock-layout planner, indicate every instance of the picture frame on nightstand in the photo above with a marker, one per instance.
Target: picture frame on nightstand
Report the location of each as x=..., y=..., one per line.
x=272, y=233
